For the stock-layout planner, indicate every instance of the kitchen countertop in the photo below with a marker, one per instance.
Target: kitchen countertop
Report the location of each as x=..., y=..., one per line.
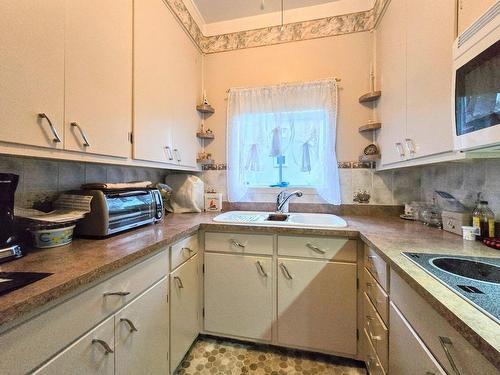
x=85, y=260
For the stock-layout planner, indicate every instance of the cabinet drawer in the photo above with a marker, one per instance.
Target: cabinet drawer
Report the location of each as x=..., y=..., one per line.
x=408, y=353
x=241, y=243
x=337, y=248
x=377, y=332
x=377, y=267
x=183, y=250
x=373, y=364
x=430, y=326
x=377, y=295
x=46, y=334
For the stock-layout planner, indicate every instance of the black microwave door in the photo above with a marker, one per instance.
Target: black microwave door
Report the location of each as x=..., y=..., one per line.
x=477, y=92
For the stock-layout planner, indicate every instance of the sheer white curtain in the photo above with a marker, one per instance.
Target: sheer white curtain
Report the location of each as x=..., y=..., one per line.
x=283, y=135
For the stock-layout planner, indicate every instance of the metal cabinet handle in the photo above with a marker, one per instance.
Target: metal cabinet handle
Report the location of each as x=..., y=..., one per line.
x=261, y=268
x=86, y=142
x=237, y=244
x=315, y=248
x=104, y=344
x=189, y=250
x=371, y=360
x=285, y=271
x=179, y=282
x=400, y=149
x=120, y=294
x=445, y=344
x=410, y=145
x=56, y=139
x=169, y=153
x=369, y=326
x=132, y=327
x=177, y=154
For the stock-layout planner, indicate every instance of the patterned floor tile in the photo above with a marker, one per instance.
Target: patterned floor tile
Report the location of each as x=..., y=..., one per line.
x=218, y=356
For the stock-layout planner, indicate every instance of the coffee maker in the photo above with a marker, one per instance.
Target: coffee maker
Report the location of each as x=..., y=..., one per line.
x=10, y=247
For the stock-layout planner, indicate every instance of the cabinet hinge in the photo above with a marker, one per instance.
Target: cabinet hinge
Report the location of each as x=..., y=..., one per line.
x=357, y=334
x=167, y=298
x=203, y=312
x=131, y=137
x=357, y=283
x=203, y=268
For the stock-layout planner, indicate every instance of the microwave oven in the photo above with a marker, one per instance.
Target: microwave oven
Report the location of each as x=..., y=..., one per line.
x=476, y=84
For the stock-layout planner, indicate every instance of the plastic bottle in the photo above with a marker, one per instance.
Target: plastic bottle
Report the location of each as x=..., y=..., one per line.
x=483, y=220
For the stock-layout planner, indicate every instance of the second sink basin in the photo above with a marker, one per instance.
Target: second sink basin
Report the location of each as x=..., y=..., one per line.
x=305, y=220
x=471, y=269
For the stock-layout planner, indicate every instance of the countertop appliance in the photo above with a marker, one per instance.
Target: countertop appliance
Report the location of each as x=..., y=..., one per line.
x=476, y=84
x=10, y=247
x=476, y=279
x=113, y=211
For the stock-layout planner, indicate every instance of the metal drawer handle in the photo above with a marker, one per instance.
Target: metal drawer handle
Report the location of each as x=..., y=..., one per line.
x=369, y=326
x=446, y=344
x=400, y=149
x=410, y=145
x=121, y=294
x=169, y=153
x=179, y=282
x=237, y=244
x=132, y=327
x=315, y=248
x=285, y=271
x=104, y=344
x=56, y=139
x=190, y=251
x=372, y=361
x=177, y=154
x=86, y=142
x=261, y=268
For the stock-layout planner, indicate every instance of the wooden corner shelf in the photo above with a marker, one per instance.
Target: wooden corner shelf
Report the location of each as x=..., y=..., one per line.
x=205, y=161
x=370, y=126
x=370, y=97
x=205, y=135
x=205, y=108
x=364, y=158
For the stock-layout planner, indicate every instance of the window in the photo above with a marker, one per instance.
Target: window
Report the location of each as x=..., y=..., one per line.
x=283, y=136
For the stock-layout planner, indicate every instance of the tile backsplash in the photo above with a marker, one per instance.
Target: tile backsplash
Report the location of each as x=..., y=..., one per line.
x=43, y=179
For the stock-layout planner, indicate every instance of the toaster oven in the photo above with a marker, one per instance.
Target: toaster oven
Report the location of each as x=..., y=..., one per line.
x=115, y=211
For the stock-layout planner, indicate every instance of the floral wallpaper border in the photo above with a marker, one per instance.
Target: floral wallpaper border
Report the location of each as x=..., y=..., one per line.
x=341, y=165
x=291, y=32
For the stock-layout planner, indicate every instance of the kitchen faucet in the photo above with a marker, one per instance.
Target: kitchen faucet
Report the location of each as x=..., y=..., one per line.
x=283, y=199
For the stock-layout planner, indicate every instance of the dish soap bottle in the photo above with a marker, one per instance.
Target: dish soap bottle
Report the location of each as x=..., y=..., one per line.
x=483, y=220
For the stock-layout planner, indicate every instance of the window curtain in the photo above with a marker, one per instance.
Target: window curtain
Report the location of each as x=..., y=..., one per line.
x=299, y=120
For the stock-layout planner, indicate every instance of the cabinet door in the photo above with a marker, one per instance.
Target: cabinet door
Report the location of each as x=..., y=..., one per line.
x=391, y=67
x=98, y=76
x=184, y=310
x=407, y=353
x=142, y=341
x=238, y=295
x=470, y=10
x=429, y=76
x=87, y=355
x=31, y=71
x=167, y=81
x=317, y=305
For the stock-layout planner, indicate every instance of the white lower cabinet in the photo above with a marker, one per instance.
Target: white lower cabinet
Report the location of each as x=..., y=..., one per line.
x=184, y=309
x=141, y=333
x=94, y=353
x=407, y=353
x=239, y=295
x=317, y=305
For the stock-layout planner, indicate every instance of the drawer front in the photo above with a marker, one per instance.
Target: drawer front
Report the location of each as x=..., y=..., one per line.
x=183, y=250
x=240, y=243
x=408, y=354
x=430, y=326
x=377, y=332
x=377, y=267
x=44, y=335
x=377, y=295
x=373, y=364
x=336, y=248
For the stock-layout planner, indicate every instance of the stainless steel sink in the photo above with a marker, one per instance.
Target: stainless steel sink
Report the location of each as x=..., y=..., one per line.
x=471, y=269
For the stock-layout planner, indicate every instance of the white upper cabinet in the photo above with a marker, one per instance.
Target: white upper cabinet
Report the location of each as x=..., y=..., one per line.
x=167, y=84
x=98, y=101
x=391, y=72
x=470, y=10
x=32, y=72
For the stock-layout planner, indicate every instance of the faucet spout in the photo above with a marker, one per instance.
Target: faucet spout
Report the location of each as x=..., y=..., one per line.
x=283, y=199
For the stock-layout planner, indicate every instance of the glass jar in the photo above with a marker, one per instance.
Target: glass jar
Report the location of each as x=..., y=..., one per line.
x=483, y=220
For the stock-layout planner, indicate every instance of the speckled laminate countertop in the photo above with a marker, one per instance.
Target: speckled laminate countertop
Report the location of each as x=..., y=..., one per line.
x=85, y=261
